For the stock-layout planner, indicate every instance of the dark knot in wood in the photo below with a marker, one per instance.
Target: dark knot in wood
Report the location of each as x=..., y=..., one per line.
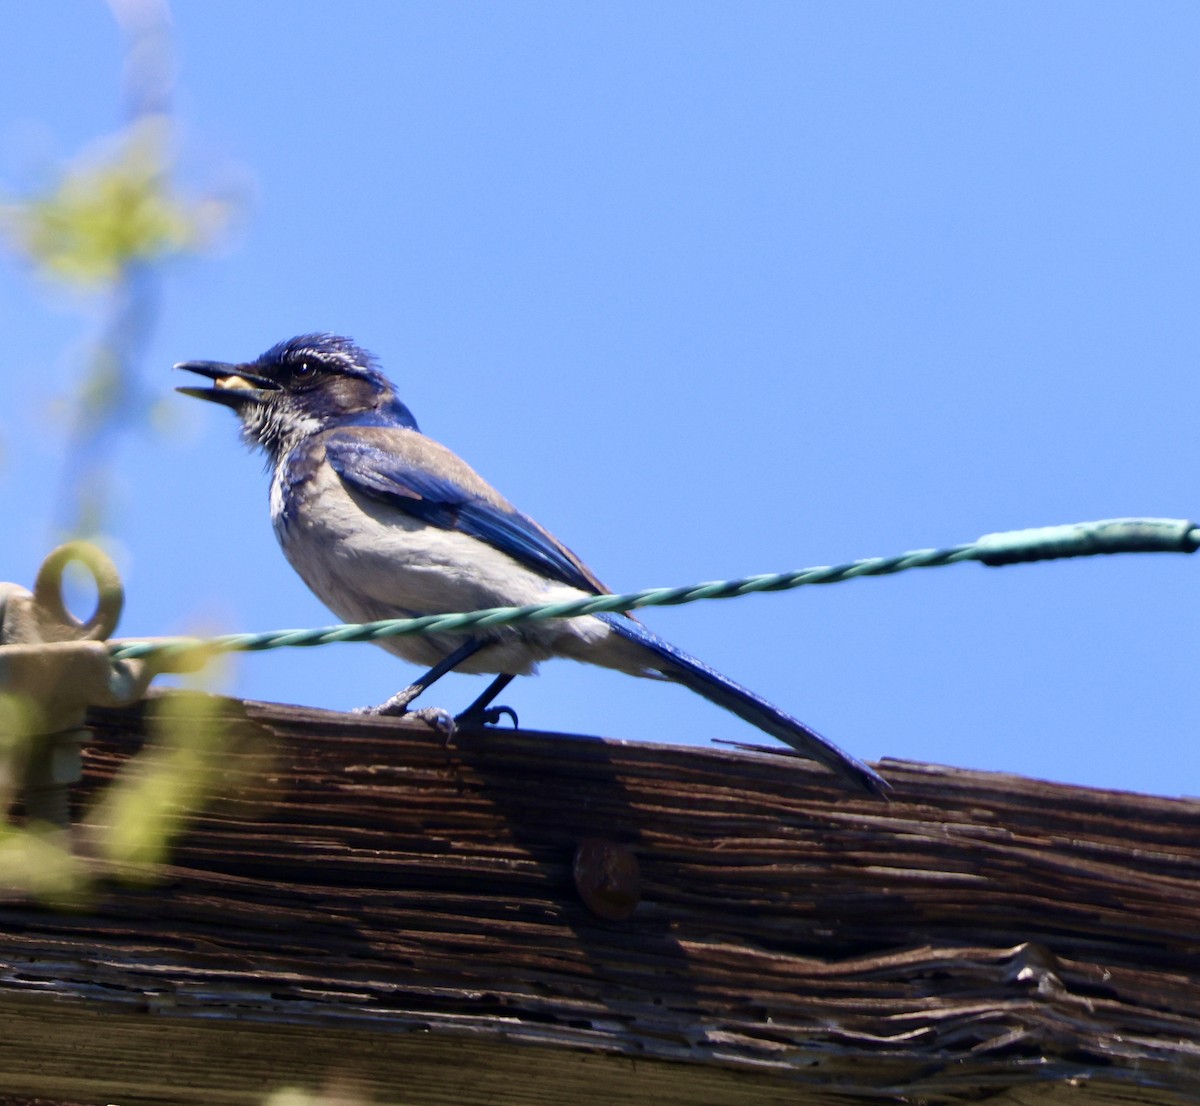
x=607, y=878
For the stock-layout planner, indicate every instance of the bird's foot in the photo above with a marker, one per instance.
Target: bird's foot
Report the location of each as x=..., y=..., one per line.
x=487, y=716
x=397, y=704
x=440, y=721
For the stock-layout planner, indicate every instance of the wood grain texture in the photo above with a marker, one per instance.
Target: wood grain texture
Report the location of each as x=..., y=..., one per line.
x=376, y=907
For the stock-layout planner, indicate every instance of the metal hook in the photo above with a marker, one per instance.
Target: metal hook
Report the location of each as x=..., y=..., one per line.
x=56, y=622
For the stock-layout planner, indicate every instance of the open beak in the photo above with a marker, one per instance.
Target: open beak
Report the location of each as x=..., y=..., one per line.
x=233, y=385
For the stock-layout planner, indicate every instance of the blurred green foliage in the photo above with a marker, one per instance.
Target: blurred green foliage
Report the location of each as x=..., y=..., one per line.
x=332, y=1095
x=138, y=817
x=106, y=226
x=111, y=212
x=200, y=749
x=38, y=863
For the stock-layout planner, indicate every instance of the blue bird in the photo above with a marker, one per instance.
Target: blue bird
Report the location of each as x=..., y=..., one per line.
x=382, y=522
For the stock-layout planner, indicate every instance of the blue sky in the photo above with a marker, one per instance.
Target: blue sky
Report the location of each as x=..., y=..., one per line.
x=709, y=290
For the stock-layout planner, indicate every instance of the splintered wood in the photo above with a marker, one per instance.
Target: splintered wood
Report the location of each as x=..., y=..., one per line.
x=366, y=909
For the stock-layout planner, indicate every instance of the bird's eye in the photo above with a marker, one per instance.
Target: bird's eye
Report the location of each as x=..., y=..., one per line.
x=303, y=371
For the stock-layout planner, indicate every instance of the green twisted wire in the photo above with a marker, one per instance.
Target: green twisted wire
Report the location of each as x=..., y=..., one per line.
x=1083, y=539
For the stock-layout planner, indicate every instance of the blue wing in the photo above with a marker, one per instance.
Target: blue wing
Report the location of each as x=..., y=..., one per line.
x=415, y=475
x=408, y=472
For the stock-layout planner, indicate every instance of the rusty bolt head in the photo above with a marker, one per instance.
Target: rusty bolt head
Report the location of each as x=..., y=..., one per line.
x=607, y=878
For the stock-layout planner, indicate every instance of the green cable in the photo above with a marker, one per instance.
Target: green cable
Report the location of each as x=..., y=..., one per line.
x=1082, y=539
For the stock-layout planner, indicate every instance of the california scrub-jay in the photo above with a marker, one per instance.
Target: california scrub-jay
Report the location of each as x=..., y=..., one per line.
x=383, y=522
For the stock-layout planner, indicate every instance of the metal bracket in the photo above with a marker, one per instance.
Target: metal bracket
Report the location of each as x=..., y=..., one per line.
x=53, y=667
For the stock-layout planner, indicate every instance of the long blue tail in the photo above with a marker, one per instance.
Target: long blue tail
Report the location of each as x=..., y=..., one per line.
x=678, y=666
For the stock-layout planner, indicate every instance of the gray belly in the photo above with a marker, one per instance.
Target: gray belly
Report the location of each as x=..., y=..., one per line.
x=366, y=561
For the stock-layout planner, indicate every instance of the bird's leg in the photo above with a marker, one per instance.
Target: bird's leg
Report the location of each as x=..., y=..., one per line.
x=481, y=713
x=398, y=703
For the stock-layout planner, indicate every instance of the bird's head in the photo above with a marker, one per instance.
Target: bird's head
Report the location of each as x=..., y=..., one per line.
x=299, y=387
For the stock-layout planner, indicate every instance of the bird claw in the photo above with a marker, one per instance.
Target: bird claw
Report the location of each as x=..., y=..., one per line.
x=393, y=707
x=488, y=716
x=440, y=721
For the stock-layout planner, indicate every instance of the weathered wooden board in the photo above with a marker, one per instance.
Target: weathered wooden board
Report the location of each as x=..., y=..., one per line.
x=377, y=907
